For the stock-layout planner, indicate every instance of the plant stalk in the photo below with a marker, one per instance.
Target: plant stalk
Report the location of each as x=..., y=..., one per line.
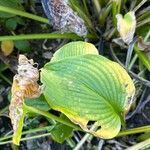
x=27, y=138
x=142, y=56
x=23, y=14
x=5, y=78
x=51, y=116
x=97, y=6
x=54, y=35
x=85, y=7
x=41, y=36
x=139, y=5
x=144, y=145
x=134, y=131
x=47, y=128
x=116, y=5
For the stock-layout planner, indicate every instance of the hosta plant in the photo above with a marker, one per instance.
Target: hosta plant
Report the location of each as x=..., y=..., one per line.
x=91, y=90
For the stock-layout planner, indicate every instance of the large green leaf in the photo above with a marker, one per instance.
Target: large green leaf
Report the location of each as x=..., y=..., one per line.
x=89, y=88
x=74, y=49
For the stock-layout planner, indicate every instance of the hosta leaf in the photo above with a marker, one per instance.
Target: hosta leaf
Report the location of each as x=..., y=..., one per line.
x=39, y=103
x=89, y=88
x=61, y=132
x=23, y=45
x=74, y=49
x=11, y=24
x=126, y=26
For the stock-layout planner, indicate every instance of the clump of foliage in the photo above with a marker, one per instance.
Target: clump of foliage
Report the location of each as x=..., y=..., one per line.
x=89, y=92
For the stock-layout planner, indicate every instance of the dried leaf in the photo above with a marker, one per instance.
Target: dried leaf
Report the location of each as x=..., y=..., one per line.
x=63, y=18
x=7, y=47
x=24, y=86
x=144, y=46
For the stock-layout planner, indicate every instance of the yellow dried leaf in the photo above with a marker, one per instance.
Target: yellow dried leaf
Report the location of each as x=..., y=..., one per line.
x=24, y=86
x=7, y=47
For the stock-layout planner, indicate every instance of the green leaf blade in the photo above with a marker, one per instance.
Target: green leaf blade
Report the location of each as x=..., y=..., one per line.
x=88, y=88
x=61, y=132
x=39, y=103
x=74, y=49
x=23, y=45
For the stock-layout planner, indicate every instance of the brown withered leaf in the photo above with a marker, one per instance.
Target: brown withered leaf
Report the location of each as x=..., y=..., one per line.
x=63, y=18
x=24, y=86
x=144, y=46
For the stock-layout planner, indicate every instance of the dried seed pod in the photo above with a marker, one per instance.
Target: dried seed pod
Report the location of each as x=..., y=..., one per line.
x=63, y=18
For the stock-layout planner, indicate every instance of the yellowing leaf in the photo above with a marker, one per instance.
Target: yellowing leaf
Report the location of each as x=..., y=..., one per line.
x=74, y=49
x=126, y=26
x=7, y=47
x=88, y=88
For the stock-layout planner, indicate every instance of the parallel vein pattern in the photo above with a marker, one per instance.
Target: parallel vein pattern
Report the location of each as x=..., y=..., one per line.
x=89, y=88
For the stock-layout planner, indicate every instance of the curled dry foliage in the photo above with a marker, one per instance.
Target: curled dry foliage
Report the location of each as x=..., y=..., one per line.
x=63, y=18
x=24, y=86
x=144, y=46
